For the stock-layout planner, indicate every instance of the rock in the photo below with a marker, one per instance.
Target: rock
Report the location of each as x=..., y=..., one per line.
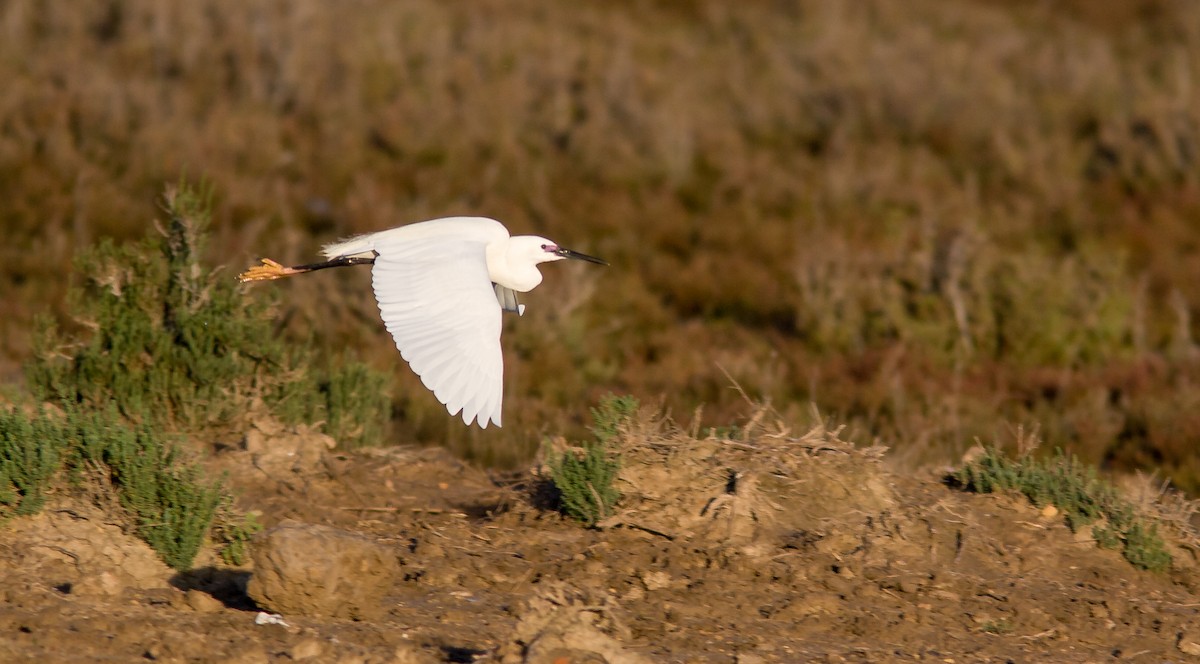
x=202, y=602
x=280, y=451
x=973, y=454
x=250, y=654
x=911, y=584
x=946, y=595
x=656, y=580
x=407, y=653
x=569, y=655
x=815, y=603
x=104, y=584
x=255, y=441
x=312, y=570
x=306, y=649
x=1189, y=642
x=564, y=624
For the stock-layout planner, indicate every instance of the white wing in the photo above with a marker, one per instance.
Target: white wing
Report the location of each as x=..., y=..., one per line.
x=437, y=301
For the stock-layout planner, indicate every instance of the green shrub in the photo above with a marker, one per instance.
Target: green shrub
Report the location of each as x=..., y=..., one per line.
x=31, y=452
x=611, y=414
x=997, y=627
x=1063, y=481
x=171, y=505
x=585, y=481
x=357, y=403
x=232, y=533
x=1144, y=547
x=171, y=343
x=163, y=340
x=163, y=344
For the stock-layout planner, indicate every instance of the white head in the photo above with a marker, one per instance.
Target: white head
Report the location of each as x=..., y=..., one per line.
x=517, y=269
x=541, y=250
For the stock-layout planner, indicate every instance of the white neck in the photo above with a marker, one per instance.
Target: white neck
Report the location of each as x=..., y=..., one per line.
x=517, y=275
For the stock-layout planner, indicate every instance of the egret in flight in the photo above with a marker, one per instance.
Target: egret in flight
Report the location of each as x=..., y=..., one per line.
x=441, y=286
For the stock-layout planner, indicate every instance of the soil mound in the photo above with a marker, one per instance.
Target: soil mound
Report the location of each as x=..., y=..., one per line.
x=751, y=492
x=759, y=546
x=80, y=550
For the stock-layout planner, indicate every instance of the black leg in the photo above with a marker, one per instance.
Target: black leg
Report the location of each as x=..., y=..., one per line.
x=337, y=262
x=271, y=270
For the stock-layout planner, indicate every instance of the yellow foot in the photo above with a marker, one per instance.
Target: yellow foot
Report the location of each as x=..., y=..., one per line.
x=265, y=272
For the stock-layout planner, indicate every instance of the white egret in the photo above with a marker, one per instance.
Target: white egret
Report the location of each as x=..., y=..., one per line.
x=441, y=286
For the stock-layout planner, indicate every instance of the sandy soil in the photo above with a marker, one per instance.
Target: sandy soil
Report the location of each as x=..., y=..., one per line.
x=768, y=548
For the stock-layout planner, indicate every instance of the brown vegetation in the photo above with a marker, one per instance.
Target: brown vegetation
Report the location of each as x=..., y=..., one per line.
x=932, y=219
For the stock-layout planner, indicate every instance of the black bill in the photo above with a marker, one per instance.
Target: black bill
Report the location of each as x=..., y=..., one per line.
x=567, y=253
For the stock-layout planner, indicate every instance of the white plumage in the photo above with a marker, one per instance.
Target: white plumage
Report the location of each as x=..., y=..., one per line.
x=441, y=286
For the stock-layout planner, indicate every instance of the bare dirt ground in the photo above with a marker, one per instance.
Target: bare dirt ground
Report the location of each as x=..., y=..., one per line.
x=765, y=548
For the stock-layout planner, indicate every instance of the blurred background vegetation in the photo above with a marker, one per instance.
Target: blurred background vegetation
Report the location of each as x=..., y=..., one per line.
x=935, y=220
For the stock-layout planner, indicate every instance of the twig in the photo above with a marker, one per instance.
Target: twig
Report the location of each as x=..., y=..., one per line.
x=618, y=520
x=737, y=386
x=600, y=508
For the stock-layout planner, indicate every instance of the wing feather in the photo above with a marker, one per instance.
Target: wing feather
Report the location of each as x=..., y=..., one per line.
x=437, y=301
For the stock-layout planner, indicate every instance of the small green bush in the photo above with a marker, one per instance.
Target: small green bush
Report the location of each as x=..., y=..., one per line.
x=171, y=503
x=31, y=452
x=172, y=506
x=1063, y=481
x=997, y=627
x=232, y=532
x=162, y=340
x=1144, y=548
x=585, y=481
x=163, y=344
x=168, y=342
x=611, y=414
x=357, y=403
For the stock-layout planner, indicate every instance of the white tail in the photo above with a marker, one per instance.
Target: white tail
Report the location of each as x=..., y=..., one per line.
x=359, y=245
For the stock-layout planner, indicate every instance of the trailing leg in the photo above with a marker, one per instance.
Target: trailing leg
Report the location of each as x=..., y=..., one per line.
x=272, y=270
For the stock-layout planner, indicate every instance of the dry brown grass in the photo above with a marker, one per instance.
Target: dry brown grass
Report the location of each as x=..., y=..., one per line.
x=933, y=219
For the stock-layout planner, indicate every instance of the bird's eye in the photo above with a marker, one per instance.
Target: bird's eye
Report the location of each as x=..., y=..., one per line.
x=543, y=247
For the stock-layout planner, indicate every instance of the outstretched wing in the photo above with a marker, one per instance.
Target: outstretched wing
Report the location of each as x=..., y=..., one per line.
x=436, y=300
